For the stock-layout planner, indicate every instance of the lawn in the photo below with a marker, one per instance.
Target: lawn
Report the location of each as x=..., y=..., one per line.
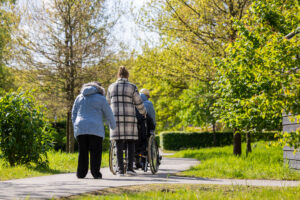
x=263, y=163
x=59, y=162
x=184, y=191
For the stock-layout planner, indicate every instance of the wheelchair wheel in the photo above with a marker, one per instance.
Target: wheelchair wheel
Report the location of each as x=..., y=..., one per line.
x=113, y=162
x=153, y=154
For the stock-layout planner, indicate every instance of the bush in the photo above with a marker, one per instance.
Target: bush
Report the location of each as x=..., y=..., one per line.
x=25, y=135
x=157, y=138
x=60, y=137
x=185, y=140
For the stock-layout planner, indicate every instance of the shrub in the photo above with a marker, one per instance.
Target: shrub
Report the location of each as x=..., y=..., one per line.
x=185, y=140
x=25, y=135
x=60, y=140
x=157, y=138
x=60, y=137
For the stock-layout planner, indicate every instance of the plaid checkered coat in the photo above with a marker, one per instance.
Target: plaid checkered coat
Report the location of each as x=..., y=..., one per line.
x=123, y=98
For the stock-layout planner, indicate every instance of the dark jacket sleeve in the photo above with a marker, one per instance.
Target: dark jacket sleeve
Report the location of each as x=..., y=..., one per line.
x=150, y=124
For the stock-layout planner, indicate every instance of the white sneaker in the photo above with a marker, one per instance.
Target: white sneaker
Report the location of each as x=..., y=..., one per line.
x=131, y=172
x=120, y=175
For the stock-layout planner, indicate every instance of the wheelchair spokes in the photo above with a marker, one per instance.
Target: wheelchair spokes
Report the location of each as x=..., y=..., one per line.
x=153, y=154
x=113, y=161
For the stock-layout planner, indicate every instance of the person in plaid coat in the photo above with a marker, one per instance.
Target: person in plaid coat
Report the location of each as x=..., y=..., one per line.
x=123, y=98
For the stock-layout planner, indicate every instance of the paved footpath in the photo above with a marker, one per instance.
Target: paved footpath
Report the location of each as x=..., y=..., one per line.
x=63, y=185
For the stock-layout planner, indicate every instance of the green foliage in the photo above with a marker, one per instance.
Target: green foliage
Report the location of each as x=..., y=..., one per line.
x=291, y=139
x=184, y=140
x=157, y=139
x=180, y=70
x=256, y=81
x=8, y=23
x=6, y=79
x=196, y=105
x=263, y=163
x=165, y=91
x=60, y=137
x=25, y=134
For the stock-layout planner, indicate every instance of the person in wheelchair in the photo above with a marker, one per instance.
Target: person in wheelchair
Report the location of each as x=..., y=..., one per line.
x=145, y=95
x=146, y=128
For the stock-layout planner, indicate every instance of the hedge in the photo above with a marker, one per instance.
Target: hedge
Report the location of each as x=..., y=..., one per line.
x=184, y=140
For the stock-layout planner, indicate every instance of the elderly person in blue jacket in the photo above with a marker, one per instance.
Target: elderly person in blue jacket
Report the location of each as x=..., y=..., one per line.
x=89, y=111
x=145, y=95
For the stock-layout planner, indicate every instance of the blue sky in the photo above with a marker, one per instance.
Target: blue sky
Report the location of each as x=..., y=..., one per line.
x=128, y=32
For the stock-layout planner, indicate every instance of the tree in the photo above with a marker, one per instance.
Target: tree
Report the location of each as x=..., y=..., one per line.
x=193, y=33
x=66, y=40
x=8, y=24
x=257, y=80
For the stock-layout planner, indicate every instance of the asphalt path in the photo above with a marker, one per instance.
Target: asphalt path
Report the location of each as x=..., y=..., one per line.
x=63, y=185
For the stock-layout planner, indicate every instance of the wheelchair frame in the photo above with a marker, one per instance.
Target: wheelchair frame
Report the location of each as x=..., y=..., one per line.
x=152, y=158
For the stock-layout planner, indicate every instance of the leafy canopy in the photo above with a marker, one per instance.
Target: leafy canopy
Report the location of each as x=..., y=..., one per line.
x=257, y=80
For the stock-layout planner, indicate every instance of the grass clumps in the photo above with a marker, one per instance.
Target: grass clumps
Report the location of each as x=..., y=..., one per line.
x=192, y=192
x=59, y=162
x=219, y=162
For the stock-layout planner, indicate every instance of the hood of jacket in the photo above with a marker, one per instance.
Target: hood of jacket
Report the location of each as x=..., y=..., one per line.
x=92, y=88
x=144, y=97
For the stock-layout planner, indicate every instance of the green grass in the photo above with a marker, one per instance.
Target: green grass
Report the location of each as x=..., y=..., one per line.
x=203, y=192
x=263, y=163
x=59, y=162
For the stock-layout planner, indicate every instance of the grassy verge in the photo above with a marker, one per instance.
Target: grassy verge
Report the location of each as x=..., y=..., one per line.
x=191, y=192
x=263, y=163
x=59, y=162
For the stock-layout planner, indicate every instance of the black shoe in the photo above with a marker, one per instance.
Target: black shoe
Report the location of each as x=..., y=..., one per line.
x=99, y=176
x=138, y=165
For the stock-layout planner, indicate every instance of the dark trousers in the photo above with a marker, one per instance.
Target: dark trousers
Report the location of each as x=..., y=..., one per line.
x=121, y=145
x=89, y=144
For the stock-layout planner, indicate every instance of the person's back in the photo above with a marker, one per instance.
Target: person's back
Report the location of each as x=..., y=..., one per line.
x=124, y=98
x=89, y=110
x=146, y=126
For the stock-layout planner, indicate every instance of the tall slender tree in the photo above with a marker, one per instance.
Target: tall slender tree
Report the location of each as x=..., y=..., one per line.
x=193, y=32
x=63, y=40
x=259, y=78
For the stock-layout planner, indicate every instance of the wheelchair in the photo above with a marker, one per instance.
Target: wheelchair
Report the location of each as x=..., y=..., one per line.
x=146, y=155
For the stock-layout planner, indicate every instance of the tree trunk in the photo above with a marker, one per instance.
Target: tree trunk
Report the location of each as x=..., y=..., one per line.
x=70, y=148
x=237, y=143
x=67, y=135
x=248, y=140
x=70, y=83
